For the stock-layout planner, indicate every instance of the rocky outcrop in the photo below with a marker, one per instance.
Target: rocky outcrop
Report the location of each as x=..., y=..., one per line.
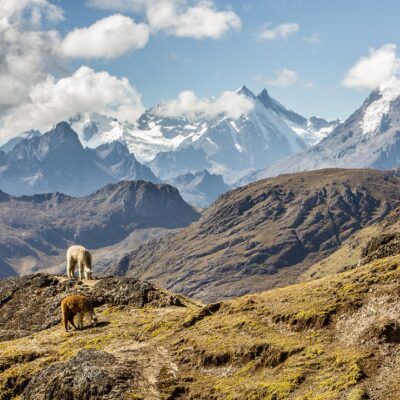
x=265, y=234
x=381, y=246
x=91, y=374
x=32, y=303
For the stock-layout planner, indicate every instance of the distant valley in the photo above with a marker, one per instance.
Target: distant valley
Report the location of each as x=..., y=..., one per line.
x=36, y=230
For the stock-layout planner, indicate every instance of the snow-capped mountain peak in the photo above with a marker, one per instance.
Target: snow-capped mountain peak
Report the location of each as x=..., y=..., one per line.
x=245, y=91
x=382, y=100
x=222, y=144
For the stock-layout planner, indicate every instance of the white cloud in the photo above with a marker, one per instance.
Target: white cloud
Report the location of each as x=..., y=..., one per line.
x=13, y=9
x=51, y=101
x=188, y=104
x=284, y=77
x=27, y=54
x=109, y=37
x=372, y=70
x=178, y=17
x=199, y=21
x=282, y=31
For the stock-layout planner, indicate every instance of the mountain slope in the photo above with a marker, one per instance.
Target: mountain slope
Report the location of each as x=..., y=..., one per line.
x=201, y=188
x=333, y=338
x=56, y=161
x=350, y=253
x=37, y=230
x=265, y=234
x=368, y=138
x=6, y=147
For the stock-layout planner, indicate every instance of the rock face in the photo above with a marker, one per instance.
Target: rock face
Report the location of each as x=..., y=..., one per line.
x=36, y=229
x=89, y=375
x=381, y=246
x=32, y=303
x=56, y=161
x=265, y=234
x=369, y=138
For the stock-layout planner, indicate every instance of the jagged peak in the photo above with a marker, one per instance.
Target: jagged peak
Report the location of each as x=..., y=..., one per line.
x=245, y=91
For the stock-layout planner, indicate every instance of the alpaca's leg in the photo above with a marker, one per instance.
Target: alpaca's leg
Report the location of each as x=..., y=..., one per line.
x=81, y=270
x=88, y=272
x=71, y=321
x=80, y=320
x=71, y=267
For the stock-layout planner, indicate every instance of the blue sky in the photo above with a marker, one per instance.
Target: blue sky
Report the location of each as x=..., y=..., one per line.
x=62, y=57
x=332, y=35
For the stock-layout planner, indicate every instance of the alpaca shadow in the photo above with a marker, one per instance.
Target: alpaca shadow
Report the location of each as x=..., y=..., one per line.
x=100, y=324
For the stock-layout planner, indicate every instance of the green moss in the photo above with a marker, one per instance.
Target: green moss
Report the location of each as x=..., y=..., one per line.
x=357, y=394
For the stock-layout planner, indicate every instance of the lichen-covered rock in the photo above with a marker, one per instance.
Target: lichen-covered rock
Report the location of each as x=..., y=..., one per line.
x=32, y=303
x=90, y=375
x=124, y=291
x=380, y=246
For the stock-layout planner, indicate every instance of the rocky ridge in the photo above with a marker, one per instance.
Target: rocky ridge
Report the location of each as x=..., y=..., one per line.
x=265, y=234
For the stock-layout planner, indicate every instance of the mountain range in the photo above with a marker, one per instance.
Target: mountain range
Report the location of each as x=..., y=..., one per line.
x=230, y=147
x=369, y=138
x=57, y=162
x=269, y=138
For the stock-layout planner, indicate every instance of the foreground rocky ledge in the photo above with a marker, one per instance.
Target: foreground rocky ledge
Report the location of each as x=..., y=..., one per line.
x=32, y=303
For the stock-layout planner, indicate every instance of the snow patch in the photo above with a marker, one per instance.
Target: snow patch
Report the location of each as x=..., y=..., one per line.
x=374, y=113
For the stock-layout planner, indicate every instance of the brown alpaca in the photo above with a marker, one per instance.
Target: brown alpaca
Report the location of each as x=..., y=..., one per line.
x=76, y=305
x=79, y=255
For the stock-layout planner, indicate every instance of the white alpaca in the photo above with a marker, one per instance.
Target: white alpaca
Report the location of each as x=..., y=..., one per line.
x=79, y=255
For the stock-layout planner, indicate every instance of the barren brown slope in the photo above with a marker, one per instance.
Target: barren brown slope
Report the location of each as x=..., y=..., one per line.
x=265, y=234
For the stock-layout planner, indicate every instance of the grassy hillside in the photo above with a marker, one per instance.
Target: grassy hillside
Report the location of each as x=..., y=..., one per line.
x=350, y=251
x=333, y=338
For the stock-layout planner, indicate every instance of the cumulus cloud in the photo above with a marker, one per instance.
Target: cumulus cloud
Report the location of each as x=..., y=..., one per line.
x=199, y=21
x=372, y=70
x=109, y=37
x=27, y=54
x=178, y=17
x=51, y=101
x=13, y=9
x=284, y=77
x=282, y=31
x=188, y=104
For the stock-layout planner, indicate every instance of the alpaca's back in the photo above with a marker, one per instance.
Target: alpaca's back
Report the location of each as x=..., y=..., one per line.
x=77, y=254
